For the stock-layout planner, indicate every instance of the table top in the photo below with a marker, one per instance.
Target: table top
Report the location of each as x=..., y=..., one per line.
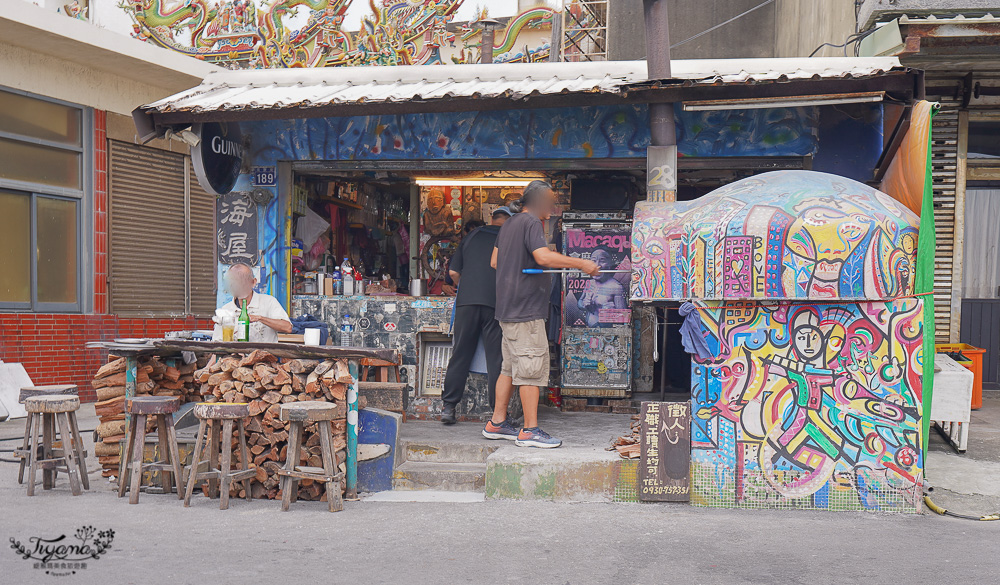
x=283, y=350
x=129, y=349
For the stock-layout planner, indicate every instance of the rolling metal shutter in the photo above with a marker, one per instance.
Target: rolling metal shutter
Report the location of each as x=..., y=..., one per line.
x=944, y=164
x=202, y=265
x=160, y=264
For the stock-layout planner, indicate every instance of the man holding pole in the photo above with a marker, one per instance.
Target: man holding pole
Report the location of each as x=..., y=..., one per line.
x=522, y=306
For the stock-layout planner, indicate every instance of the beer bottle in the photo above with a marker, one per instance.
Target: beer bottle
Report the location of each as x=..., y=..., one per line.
x=243, y=323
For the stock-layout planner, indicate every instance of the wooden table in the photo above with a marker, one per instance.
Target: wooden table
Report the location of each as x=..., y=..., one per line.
x=172, y=348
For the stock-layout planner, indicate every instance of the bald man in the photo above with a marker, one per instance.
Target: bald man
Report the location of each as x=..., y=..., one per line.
x=267, y=317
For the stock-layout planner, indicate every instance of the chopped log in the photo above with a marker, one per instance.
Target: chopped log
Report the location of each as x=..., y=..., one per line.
x=323, y=367
x=219, y=378
x=338, y=391
x=244, y=374
x=119, y=379
x=343, y=373
x=172, y=374
x=300, y=366
x=281, y=377
x=230, y=363
x=312, y=383
x=272, y=397
x=250, y=392
x=112, y=367
x=109, y=392
x=258, y=356
x=286, y=389
x=298, y=383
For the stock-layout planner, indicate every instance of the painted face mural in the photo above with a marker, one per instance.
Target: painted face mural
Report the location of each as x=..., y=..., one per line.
x=779, y=235
x=815, y=406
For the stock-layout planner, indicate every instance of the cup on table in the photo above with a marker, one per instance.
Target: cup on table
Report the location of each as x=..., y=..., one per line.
x=228, y=325
x=311, y=336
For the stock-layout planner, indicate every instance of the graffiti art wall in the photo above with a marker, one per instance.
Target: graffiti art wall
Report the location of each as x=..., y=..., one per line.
x=808, y=406
x=620, y=131
x=778, y=235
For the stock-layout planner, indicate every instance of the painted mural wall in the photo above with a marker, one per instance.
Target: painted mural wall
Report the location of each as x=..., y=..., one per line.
x=808, y=406
x=620, y=131
x=778, y=235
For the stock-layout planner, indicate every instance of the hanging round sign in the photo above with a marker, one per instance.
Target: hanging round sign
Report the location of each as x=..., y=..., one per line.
x=218, y=157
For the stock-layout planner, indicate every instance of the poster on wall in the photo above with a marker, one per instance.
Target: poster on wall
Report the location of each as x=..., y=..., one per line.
x=236, y=224
x=594, y=358
x=665, y=452
x=599, y=301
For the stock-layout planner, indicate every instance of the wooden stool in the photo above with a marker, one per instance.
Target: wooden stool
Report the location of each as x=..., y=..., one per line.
x=383, y=370
x=211, y=416
x=44, y=414
x=162, y=408
x=30, y=392
x=297, y=414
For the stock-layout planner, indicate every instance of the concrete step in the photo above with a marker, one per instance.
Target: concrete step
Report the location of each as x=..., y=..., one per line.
x=445, y=476
x=474, y=451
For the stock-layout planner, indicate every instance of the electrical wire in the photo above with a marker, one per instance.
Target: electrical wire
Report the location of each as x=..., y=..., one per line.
x=945, y=512
x=722, y=24
x=853, y=38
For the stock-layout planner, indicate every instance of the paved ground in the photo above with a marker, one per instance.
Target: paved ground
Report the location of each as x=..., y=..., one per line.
x=159, y=541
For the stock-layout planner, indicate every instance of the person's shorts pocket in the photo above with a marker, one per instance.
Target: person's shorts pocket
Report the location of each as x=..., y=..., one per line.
x=530, y=364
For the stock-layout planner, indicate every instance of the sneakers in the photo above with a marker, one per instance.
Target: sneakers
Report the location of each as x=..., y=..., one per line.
x=504, y=430
x=536, y=437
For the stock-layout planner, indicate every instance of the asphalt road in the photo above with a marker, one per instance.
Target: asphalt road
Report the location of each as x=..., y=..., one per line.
x=160, y=541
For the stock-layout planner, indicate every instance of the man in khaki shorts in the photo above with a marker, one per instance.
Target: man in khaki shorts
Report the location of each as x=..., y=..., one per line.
x=521, y=308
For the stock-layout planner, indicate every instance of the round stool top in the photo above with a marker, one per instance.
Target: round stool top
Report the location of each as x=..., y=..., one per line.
x=309, y=411
x=51, y=404
x=221, y=410
x=152, y=404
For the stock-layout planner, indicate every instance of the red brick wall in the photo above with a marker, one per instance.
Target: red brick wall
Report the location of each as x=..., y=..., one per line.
x=52, y=347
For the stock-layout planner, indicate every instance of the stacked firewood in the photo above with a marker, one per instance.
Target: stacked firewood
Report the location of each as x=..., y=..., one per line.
x=627, y=446
x=265, y=384
x=153, y=378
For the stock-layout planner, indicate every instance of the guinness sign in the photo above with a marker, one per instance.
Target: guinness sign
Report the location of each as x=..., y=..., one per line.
x=218, y=157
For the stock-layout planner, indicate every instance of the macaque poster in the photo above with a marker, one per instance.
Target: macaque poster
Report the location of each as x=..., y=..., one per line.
x=599, y=301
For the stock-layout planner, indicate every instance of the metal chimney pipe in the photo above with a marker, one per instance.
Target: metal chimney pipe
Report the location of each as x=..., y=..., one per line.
x=661, y=156
x=486, y=48
x=661, y=116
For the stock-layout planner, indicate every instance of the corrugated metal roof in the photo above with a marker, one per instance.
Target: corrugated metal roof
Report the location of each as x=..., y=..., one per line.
x=274, y=89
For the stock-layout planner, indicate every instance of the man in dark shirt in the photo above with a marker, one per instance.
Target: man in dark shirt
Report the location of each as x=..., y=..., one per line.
x=474, y=313
x=521, y=308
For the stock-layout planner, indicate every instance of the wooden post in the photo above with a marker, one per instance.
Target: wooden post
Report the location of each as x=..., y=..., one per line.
x=665, y=452
x=131, y=373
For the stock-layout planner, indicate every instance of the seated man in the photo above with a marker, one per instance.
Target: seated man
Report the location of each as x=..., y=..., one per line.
x=267, y=316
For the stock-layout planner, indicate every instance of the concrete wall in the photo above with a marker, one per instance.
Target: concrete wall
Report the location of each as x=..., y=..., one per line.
x=53, y=77
x=803, y=25
x=785, y=28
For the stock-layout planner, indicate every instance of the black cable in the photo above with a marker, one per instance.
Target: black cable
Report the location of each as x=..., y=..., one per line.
x=853, y=38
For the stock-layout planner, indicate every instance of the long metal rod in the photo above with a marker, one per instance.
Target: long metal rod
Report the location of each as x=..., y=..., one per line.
x=565, y=270
x=352, y=433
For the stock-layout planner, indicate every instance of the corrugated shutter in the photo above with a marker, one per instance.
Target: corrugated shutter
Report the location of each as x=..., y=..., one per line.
x=146, y=235
x=202, y=250
x=944, y=161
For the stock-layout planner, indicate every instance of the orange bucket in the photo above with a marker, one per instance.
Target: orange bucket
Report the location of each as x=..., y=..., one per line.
x=973, y=363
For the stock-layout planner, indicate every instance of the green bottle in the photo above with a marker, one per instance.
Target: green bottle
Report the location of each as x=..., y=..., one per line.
x=243, y=323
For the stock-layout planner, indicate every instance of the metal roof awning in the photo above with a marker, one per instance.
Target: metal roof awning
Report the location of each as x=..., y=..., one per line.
x=348, y=91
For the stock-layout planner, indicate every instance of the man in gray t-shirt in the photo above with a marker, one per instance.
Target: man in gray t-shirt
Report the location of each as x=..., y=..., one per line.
x=522, y=306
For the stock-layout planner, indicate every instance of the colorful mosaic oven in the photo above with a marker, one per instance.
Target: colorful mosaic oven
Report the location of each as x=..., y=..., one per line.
x=779, y=235
x=811, y=397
